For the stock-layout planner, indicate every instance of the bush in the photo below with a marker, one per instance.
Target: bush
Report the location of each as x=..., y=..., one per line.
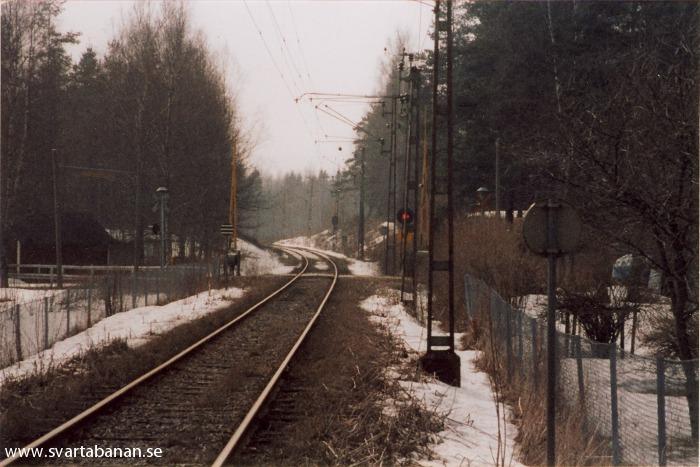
x=601, y=318
x=661, y=336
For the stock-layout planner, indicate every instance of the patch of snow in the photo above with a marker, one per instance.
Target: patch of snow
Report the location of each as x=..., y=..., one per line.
x=257, y=261
x=471, y=434
x=363, y=268
x=356, y=267
x=137, y=326
x=23, y=294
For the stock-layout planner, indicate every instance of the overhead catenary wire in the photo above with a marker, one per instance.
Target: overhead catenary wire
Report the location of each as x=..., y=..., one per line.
x=294, y=70
x=301, y=49
x=284, y=49
x=279, y=70
x=319, y=95
x=331, y=109
x=353, y=125
x=267, y=48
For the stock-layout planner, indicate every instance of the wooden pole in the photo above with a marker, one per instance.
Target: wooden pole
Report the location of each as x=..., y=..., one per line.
x=234, y=191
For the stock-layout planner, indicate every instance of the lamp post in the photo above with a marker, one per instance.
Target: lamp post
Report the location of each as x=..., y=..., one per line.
x=482, y=195
x=162, y=194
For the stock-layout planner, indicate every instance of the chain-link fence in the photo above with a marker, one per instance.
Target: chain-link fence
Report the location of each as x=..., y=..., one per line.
x=646, y=407
x=30, y=327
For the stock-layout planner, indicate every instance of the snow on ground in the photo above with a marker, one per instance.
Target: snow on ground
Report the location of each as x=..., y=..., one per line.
x=356, y=267
x=257, y=261
x=535, y=306
x=137, y=326
x=471, y=430
x=21, y=293
x=363, y=268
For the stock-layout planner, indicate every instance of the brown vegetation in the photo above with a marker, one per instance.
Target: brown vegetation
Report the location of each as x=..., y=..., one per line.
x=497, y=256
x=354, y=412
x=35, y=404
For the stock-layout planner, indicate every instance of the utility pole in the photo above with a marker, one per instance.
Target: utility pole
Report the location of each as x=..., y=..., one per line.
x=410, y=179
x=233, y=206
x=4, y=272
x=390, y=250
x=445, y=364
x=361, y=223
x=311, y=203
x=395, y=157
x=388, y=211
x=57, y=221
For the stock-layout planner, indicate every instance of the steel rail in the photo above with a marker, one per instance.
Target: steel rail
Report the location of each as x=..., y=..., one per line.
x=264, y=395
x=141, y=379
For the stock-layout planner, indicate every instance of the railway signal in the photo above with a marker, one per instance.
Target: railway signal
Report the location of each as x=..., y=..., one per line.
x=405, y=215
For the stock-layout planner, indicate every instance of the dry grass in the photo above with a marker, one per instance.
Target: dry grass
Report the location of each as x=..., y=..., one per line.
x=354, y=411
x=33, y=405
x=576, y=443
x=494, y=252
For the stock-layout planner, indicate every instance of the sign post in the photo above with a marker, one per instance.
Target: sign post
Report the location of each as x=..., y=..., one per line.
x=551, y=229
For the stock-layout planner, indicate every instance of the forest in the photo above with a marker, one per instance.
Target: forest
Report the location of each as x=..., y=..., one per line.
x=594, y=103
x=154, y=110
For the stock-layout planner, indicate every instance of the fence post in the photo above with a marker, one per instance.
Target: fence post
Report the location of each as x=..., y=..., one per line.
x=144, y=279
x=661, y=408
x=51, y=277
x=691, y=394
x=579, y=369
x=89, y=307
x=18, y=334
x=533, y=331
x=133, y=287
x=120, y=291
x=622, y=334
x=466, y=297
x=46, y=323
x=509, y=343
x=89, y=297
x=67, y=312
x=157, y=287
x=634, y=330
x=520, y=342
x=613, y=404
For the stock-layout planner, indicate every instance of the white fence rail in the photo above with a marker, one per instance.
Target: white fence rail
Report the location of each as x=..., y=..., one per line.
x=33, y=326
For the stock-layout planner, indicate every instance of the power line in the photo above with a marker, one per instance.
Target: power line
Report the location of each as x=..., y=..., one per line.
x=288, y=58
x=320, y=95
x=283, y=48
x=279, y=70
x=339, y=114
x=343, y=120
x=301, y=49
x=269, y=52
x=347, y=121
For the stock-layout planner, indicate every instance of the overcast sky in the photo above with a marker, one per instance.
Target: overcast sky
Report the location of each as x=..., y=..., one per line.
x=327, y=46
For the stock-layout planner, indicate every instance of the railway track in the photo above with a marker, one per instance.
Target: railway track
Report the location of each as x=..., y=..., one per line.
x=198, y=406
